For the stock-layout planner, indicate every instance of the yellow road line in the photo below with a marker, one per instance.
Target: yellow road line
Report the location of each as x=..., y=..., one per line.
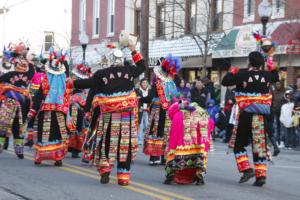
x=141, y=185
x=148, y=187
x=144, y=192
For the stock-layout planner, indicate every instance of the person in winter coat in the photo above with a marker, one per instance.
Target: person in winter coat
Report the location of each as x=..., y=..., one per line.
x=277, y=102
x=286, y=118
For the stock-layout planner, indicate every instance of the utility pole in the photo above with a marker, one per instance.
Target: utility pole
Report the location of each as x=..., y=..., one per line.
x=144, y=33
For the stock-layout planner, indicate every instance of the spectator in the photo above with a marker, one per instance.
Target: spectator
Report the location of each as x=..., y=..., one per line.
x=143, y=93
x=183, y=90
x=296, y=98
x=200, y=94
x=277, y=102
x=209, y=85
x=286, y=118
x=188, y=85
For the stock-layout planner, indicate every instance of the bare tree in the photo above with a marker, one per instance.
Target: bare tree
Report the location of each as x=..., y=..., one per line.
x=196, y=14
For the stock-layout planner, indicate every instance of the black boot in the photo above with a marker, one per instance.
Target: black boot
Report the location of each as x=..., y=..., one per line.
x=29, y=143
x=20, y=156
x=169, y=180
x=199, y=180
x=75, y=154
x=247, y=175
x=104, y=178
x=58, y=163
x=260, y=182
x=6, y=144
x=162, y=160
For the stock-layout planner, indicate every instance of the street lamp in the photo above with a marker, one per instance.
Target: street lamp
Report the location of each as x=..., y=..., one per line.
x=84, y=40
x=265, y=12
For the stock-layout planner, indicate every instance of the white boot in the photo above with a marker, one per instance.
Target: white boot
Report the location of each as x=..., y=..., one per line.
x=281, y=145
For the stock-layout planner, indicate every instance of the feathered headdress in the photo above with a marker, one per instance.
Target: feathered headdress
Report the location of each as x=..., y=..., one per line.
x=267, y=44
x=56, y=61
x=171, y=65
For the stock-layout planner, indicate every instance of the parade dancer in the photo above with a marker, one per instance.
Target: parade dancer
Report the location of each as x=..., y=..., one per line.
x=75, y=119
x=36, y=81
x=254, y=100
x=15, y=98
x=6, y=66
x=116, y=122
x=50, y=106
x=188, y=144
x=163, y=90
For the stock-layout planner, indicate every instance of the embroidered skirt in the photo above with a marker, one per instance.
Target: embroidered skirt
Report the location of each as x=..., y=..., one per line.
x=52, y=136
x=157, y=132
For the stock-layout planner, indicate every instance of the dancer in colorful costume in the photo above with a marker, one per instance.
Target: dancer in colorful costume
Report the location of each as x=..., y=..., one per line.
x=254, y=101
x=15, y=98
x=75, y=119
x=50, y=106
x=6, y=66
x=115, y=123
x=163, y=91
x=188, y=144
x=36, y=81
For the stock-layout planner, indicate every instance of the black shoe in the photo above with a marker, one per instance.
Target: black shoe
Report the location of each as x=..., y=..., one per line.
x=247, y=175
x=6, y=144
x=104, y=178
x=20, y=156
x=85, y=161
x=75, y=154
x=29, y=143
x=169, y=181
x=37, y=162
x=276, y=152
x=259, y=182
x=58, y=163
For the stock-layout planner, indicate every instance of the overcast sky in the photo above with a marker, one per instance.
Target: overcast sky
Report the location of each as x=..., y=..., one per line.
x=29, y=19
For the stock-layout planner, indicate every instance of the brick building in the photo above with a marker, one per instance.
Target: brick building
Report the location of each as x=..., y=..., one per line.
x=283, y=26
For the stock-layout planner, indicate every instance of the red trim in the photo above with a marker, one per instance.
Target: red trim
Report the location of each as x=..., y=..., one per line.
x=137, y=57
x=31, y=113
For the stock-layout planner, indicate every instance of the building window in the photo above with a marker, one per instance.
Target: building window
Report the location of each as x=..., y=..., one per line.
x=278, y=7
x=111, y=17
x=249, y=10
x=137, y=21
x=96, y=14
x=217, y=16
x=82, y=16
x=160, y=25
x=49, y=40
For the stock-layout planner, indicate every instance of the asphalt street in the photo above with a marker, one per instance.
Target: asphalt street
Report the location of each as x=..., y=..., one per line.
x=22, y=180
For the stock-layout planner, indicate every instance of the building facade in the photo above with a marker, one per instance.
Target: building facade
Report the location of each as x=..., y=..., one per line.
x=283, y=27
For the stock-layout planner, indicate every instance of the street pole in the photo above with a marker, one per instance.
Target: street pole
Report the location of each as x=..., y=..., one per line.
x=264, y=21
x=83, y=56
x=144, y=34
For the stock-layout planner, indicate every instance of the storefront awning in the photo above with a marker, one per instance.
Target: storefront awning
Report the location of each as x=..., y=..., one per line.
x=286, y=32
x=239, y=42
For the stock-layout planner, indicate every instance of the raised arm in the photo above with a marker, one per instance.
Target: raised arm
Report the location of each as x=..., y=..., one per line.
x=92, y=82
x=139, y=61
x=232, y=77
